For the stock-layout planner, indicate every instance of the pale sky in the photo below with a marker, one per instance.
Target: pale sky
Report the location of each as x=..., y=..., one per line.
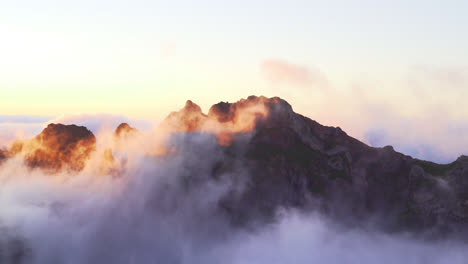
x=343, y=63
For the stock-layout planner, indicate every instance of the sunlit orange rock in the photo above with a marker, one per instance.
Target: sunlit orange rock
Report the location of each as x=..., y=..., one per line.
x=188, y=119
x=15, y=148
x=124, y=130
x=60, y=147
x=224, y=120
x=233, y=112
x=109, y=164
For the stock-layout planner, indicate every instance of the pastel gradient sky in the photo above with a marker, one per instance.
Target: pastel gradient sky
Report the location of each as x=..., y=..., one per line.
x=385, y=71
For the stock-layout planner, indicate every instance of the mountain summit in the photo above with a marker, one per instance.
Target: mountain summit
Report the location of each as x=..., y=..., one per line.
x=294, y=162
x=294, y=159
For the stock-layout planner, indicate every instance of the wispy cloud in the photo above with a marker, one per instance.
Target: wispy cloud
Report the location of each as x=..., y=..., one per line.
x=282, y=72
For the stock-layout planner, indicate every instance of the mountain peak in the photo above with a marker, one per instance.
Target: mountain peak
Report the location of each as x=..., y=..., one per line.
x=124, y=129
x=463, y=158
x=57, y=147
x=192, y=107
x=291, y=159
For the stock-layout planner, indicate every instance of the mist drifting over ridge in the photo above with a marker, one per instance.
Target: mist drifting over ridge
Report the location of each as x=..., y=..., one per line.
x=249, y=182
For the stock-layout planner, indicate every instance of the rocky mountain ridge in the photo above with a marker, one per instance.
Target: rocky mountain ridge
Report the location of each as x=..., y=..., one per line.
x=294, y=162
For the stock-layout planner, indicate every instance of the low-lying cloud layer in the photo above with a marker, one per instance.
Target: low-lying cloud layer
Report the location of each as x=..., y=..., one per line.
x=158, y=211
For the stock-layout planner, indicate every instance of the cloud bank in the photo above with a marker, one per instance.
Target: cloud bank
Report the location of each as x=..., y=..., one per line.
x=282, y=72
x=163, y=209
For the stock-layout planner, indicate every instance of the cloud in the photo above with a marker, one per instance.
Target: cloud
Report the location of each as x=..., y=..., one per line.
x=281, y=72
x=147, y=214
x=13, y=127
x=163, y=210
x=314, y=239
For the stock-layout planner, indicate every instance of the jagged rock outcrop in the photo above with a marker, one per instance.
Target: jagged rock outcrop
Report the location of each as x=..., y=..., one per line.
x=124, y=130
x=224, y=120
x=57, y=147
x=61, y=146
x=252, y=107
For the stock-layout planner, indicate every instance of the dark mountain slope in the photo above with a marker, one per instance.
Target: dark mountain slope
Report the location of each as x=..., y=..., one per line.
x=295, y=160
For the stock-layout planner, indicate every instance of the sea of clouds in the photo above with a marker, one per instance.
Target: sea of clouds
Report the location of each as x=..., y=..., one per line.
x=164, y=209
